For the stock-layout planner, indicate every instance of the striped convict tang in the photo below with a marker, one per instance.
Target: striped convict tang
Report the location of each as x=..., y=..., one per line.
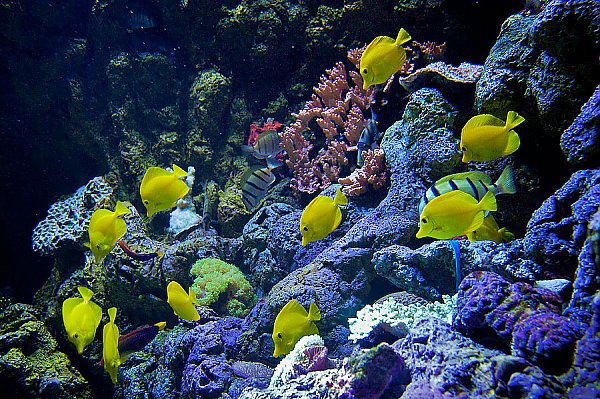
x=267, y=146
x=474, y=183
x=255, y=183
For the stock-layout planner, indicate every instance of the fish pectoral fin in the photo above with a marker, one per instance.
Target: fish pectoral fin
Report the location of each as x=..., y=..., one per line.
x=483, y=120
x=514, y=142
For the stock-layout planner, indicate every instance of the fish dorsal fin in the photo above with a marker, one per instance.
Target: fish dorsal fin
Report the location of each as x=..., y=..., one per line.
x=313, y=203
x=152, y=173
x=476, y=223
x=402, y=37
x=179, y=172
x=483, y=120
x=112, y=314
x=455, y=193
x=473, y=175
x=340, y=198
x=514, y=142
x=314, y=314
x=175, y=289
x=375, y=42
x=85, y=293
x=294, y=307
x=99, y=214
x=192, y=296
x=121, y=209
x=67, y=309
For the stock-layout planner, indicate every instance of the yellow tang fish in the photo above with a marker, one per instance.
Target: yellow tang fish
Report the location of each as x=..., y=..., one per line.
x=110, y=346
x=490, y=231
x=181, y=302
x=81, y=318
x=383, y=57
x=485, y=137
x=454, y=213
x=160, y=189
x=105, y=229
x=293, y=323
x=321, y=216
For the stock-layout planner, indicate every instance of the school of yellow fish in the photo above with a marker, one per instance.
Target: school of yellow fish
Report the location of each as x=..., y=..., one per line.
x=455, y=205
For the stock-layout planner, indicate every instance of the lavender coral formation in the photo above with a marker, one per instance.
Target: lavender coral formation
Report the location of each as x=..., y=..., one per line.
x=336, y=106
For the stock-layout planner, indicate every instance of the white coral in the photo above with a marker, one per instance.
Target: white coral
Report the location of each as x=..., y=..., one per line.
x=285, y=369
x=398, y=315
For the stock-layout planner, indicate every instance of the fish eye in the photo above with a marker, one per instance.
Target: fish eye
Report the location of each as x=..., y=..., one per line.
x=305, y=228
x=365, y=71
x=146, y=202
x=75, y=335
x=98, y=246
x=463, y=149
x=279, y=336
x=424, y=220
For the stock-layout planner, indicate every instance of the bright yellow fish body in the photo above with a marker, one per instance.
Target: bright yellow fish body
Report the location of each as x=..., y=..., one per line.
x=321, y=216
x=81, y=318
x=490, y=231
x=110, y=346
x=293, y=323
x=105, y=229
x=182, y=302
x=485, y=137
x=454, y=213
x=160, y=189
x=383, y=57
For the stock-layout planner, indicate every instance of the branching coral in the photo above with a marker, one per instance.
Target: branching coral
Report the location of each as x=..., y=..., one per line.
x=222, y=286
x=373, y=174
x=336, y=107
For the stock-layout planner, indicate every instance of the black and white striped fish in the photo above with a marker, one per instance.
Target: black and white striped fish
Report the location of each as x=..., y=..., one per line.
x=255, y=183
x=473, y=183
x=267, y=147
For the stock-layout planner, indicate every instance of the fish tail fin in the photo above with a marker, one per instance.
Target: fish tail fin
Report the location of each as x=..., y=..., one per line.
x=192, y=296
x=121, y=209
x=340, y=198
x=87, y=245
x=247, y=148
x=112, y=314
x=178, y=171
x=506, y=235
x=513, y=120
x=273, y=163
x=506, y=181
x=488, y=202
x=403, y=37
x=161, y=325
x=314, y=314
x=85, y=293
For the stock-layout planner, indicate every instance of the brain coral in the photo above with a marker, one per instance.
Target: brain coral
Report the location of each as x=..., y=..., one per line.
x=222, y=286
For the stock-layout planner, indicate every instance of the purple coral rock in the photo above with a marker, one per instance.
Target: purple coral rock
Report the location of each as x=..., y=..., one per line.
x=547, y=339
x=207, y=379
x=489, y=307
x=372, y=372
